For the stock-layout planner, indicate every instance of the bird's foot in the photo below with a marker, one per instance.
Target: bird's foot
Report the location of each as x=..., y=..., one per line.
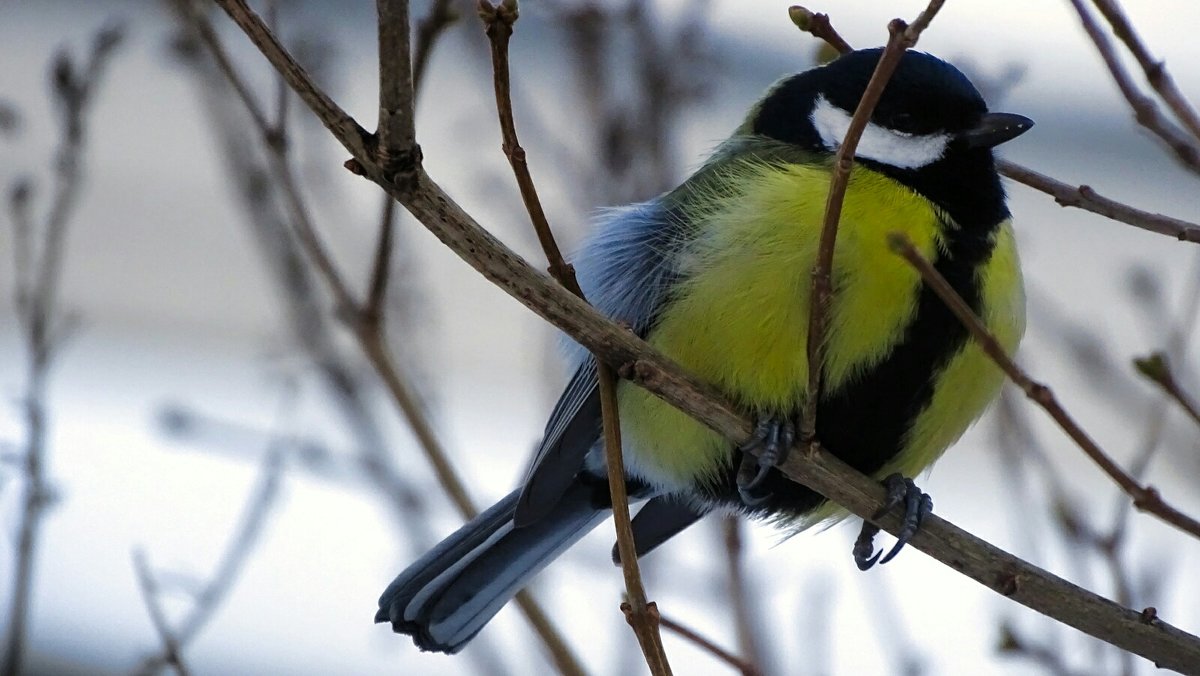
x=772, y=438
x=917, y=505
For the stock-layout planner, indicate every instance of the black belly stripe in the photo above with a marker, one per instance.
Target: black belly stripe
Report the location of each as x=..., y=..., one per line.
x=866, y=422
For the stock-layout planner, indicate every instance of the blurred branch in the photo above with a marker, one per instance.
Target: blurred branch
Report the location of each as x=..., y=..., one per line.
x=212, y=593
x=1046, y=656
x=817, y=469
x=381, y=269
x=739, y=592
x=369, y=334
x=236, y=440
x=1145, y=498
x=1145, y=110
x=429, y=29
x=1155, y=425
x=1156, y=71
x=39, y=254
x=632, y=73
x=739, y=664
x=642, y=615
x=1156, y=369
x=365, y=320
x=149, y=587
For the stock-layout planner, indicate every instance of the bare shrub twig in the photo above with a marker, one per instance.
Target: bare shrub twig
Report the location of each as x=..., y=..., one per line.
x=39, y=251
x=1145, y=498
x=1145, y=109
x=641, y=614
x=901, y=36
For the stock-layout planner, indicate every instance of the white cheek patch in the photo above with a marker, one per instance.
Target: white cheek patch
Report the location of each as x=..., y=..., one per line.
x=904, y=151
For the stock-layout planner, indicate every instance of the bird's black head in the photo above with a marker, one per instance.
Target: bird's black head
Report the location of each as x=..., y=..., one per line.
x=930, y=131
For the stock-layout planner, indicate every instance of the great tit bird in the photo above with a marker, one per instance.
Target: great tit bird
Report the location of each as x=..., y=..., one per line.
x=715, y=274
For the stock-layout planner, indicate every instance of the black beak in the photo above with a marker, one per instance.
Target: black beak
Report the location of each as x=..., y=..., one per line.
x=994, y=129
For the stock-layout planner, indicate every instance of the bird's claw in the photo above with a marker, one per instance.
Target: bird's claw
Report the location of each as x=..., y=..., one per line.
x=775, y=437
x=917, y=505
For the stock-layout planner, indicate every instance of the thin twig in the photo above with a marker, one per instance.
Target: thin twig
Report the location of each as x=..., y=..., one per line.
x=641, y=614
x=282, y=93
x=372, y=311
x=1079, y=196
x=819, y=26
x=747, y=635
x=344, y=127
x=1179, y=339
x=370, y=336
x=43, y=325
x=901, y=37
x=1145, y=498
x=1156, y=369
x=148, y=587
x=706, y=644
x=1084, y=197
x=216, y=589
x=498, y=22
x=273, y=137
x=1156, y=71
x=1145, y=110
x=429, y=29
x=1046, y=655
x=1149, y=637
x=821, y=291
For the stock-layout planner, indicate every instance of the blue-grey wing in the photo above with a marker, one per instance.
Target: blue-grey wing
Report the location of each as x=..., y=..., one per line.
x=572, y=430
x=626, y=269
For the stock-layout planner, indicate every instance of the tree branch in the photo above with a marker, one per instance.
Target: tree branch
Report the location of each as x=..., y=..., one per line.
x=901, y=37
x=395, y=135
x=148, y=586
x=40, y=253
x=1084, y=197
x=429, y=29
x=1145, y=110
x=237, y=551
x=498, y=22
x=742, y=666
x=344, y=128
x=372, y=310
x=369, y=334
x=641, y=614
x=819, y=26
x=749, y=638
x=1156, y=71
x=1156, y=369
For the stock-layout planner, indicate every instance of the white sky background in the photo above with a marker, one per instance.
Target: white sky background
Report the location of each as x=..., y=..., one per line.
x=176, y=308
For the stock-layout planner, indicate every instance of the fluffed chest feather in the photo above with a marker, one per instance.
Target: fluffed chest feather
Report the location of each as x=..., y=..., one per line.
x=738, y=318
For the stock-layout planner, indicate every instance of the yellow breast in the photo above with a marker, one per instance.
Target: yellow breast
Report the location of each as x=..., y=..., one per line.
x=740, y=320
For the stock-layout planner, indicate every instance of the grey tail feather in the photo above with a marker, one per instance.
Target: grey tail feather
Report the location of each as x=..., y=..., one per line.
x=445, y=597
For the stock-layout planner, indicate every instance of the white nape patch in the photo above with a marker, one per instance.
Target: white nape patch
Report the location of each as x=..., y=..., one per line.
x=900, y=150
